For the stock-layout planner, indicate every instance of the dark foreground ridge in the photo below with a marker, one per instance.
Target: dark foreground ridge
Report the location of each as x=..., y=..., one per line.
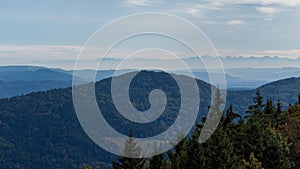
x=41, y=130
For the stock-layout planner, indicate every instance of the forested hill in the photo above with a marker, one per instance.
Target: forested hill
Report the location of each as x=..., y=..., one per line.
x=20, y=80
x=285, y=90
x=41, y=130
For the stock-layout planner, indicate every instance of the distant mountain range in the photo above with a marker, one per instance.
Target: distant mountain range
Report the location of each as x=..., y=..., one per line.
x=20, y=80
x=41, y=130
x=193, y=62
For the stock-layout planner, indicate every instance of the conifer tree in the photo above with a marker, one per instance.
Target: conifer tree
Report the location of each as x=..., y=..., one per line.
x=258, y=100
x=156, y=162
x=278, y=113
x=257, y=107
x=214, y=116
x=131, y=149
x=269, y=113
x=173, y=154
x=261, y=139
x=290, y=129
x=218, y=102
x=191, y=153
x=230, y=116
x=279, y=108
x=165, y=164
x=269, y=108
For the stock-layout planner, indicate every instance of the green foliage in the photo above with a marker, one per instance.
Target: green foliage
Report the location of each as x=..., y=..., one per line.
x=230, y=116
x=252, y=163
x=269, y=147
x=131, y=149
x=165, y=164
x=41, y=130
x=278, y=114
x=156, y=162
x=238, y=144
x=290, y=128
x=257, y=107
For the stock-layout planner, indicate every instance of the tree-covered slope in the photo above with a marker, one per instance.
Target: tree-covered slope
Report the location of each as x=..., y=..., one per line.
x=41, y=130
x=285, y=90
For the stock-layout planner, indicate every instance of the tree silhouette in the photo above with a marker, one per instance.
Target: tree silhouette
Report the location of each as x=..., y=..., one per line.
x=131, y=149
x=258, y=105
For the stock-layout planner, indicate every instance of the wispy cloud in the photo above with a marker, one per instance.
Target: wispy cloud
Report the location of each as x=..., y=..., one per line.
x=207, y=6
x=289, y=3
x=196, y=9
x=141, y=2
x=235, y=22
x=292, y=54
x=39, y=49
x=54, y=56
x=268, y=10
x=65, y=57
x=192, y=11
x=208, y=22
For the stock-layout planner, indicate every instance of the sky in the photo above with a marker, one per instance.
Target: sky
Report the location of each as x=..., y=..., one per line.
x=52, y=32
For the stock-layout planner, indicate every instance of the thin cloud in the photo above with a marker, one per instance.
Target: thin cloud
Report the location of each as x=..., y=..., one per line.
x=292, y=54
x=235, y=22
x=196, y=9
x=289, y=3
x=140, y=2
x=207, y=6
x=268, y=10
x=193, y=11
x=208, y=22
x=41, y=52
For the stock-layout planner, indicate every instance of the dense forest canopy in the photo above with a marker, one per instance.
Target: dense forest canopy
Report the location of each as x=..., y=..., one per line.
x=41, y=130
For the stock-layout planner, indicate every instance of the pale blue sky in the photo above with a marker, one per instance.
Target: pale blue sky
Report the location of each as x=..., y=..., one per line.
x=37, y=32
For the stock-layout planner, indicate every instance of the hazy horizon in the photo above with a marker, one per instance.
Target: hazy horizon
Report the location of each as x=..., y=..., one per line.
x=52, y=33
x=228, y=62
